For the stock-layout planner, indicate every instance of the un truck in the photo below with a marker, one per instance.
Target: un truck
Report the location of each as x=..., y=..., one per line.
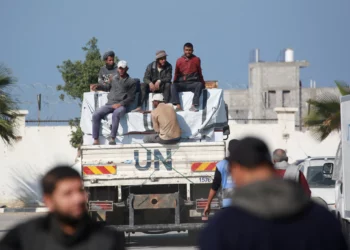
x=154, y=188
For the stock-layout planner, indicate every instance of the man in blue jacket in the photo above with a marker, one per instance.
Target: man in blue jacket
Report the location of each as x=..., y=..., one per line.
x=267, y=212
x=223, y=179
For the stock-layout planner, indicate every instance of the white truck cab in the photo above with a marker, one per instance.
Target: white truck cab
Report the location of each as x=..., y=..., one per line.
x=320, y=181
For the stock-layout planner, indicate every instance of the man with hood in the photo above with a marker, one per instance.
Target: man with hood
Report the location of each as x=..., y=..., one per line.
x=67, y=225
x=108, y=71
x=267, y=212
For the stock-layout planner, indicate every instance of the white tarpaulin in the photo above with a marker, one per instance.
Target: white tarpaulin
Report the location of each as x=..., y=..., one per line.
x=194, y=125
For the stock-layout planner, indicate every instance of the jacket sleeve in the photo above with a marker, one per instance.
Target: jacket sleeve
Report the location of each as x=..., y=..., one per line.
x=147, y=79
x=11, y=241
x=104, y=87
x=100, y=77
x=168, y=75
x=217, y=180
x=177, y=71
x=304, y=184
x=130, y=95
x=199, y=70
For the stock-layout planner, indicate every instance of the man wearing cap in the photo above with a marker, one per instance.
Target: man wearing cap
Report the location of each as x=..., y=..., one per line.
x=269, y=213
x=121, y=94
x=164, y=123
x=108, y=71
x=157, y=79
x=188, y=77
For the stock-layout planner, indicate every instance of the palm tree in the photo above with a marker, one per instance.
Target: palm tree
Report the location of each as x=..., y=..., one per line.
x=324, y=116
x=7, y=107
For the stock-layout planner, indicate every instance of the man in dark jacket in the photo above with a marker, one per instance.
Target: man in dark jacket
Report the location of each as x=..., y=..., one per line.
x=188, y=77
x=157, y=79
x=121, y=94
x=67, y=226
x=267, y=212
x=108, y=71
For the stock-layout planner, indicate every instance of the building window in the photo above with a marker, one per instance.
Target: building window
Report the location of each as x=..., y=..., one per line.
x=271, y=99
x=286, y=98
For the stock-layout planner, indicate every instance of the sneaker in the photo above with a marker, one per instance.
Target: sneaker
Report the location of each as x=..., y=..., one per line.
x=194, y=109
x=112, y=142
x=96, y=143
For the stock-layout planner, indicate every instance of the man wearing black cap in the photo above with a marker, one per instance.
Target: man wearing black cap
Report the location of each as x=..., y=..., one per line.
x=157, y=79
x=108, y=71
x=267, y=212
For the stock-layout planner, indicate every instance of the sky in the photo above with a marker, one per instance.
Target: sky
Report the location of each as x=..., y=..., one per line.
x=38, y=35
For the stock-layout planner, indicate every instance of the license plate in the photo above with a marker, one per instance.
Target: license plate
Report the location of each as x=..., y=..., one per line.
x=204, y=179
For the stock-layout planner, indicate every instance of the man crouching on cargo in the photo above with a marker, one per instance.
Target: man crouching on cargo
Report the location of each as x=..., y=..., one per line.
x=164, y=123
x=121, y=94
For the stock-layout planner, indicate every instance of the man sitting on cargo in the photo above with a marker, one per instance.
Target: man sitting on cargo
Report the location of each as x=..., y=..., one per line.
x=108, y=71
x=164, y=123
x=188, y=77
x=157, y=79
x=122, y=93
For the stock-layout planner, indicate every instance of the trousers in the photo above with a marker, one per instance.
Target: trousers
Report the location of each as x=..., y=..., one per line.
x=195, y=87
x=100, y=113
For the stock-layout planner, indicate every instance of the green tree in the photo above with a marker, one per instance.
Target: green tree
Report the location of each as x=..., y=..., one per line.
x=324, y=116
x=7, y=106
x=77, y=77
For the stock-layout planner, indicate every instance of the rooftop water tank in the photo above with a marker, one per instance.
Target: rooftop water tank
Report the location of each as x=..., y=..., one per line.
x=289, y=55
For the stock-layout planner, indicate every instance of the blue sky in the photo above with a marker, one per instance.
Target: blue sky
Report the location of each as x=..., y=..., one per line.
x=38, y=35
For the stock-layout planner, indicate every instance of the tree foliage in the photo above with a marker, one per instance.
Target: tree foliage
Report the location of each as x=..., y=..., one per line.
x=324, y=116
x=7, y=106
x=77, y=77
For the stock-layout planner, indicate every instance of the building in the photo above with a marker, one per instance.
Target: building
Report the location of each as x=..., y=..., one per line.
x=272, y=85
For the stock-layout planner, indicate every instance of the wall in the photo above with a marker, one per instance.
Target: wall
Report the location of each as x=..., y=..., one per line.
x=22, y=164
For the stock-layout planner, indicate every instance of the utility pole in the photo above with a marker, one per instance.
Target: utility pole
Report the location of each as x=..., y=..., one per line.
x=39, y=107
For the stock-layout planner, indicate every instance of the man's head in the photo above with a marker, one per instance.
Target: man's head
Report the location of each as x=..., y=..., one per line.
x=161, y=57
x=232, y=146
x=279, y=155
x=108, y=57
x=122, y=68
x=156, y=99
x=64, y=194
x=188, y=49
x=250, y=161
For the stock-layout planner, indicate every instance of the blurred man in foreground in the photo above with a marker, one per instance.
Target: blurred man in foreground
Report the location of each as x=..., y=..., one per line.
x=269, y=213
x=67, y=226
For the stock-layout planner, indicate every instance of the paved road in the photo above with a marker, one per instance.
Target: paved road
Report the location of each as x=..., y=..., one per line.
x=137, y=241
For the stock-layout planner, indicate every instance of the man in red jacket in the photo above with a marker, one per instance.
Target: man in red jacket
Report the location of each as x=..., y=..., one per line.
x=188, y=77
x=287, y=171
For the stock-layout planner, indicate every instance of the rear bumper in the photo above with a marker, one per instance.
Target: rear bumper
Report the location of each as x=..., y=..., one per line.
x=168, y=227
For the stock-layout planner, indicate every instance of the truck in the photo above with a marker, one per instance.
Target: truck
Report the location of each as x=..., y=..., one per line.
x=154, y=188
x=321, y=185
x=340, y=170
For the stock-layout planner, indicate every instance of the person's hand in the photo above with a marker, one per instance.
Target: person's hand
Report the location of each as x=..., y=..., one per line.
x=157, y=84
x=115, y=106
x=206, y=210
x=152, y=87
x=93, y=87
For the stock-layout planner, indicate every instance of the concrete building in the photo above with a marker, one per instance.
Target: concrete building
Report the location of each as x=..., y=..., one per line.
x=271, y=85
